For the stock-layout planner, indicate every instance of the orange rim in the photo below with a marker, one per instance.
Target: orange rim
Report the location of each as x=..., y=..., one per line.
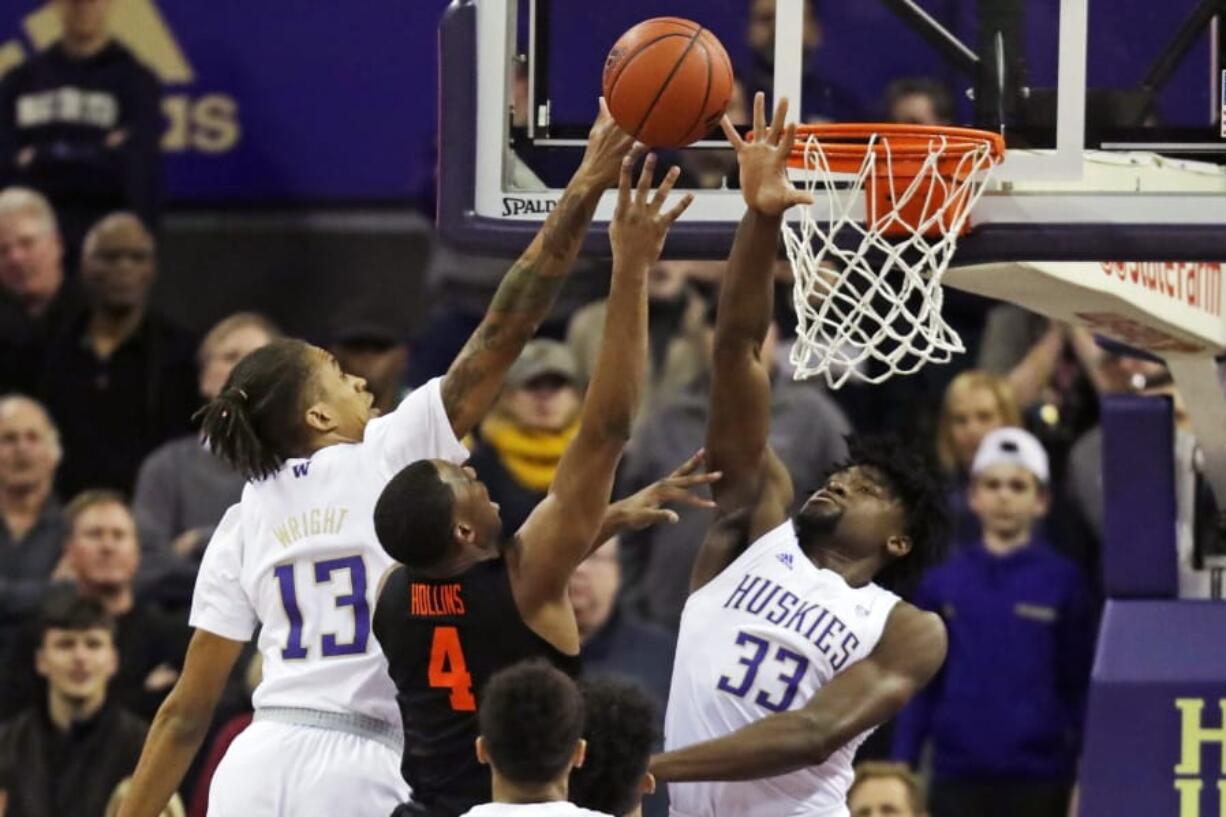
x=845, y=145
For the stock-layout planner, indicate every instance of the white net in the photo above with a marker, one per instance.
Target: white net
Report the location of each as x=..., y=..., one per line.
x=868, y=292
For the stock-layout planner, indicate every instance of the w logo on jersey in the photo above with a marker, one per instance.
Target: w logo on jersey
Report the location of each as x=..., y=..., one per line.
x=300, y=469
x=785, y=559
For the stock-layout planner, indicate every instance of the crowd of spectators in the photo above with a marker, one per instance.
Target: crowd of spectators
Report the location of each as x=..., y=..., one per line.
x=108, y=497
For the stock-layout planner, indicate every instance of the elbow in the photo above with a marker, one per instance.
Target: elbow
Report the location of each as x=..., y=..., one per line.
x=815, y=742
x=184, y=721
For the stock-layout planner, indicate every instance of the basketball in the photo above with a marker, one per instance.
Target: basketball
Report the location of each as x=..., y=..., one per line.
x=667, y=82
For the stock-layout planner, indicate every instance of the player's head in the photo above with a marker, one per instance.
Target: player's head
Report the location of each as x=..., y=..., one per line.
x=1009, y=477
x=975, y=403
x=285, y=399
x=620, y=730
x=531, y=727
x=885, y=790
x=434, y=509
x=883, y=503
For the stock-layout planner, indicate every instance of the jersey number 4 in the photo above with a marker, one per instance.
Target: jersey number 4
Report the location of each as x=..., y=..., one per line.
x=448, y=670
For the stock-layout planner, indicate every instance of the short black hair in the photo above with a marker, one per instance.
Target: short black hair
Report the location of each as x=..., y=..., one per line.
x=255, y=424
x=413, y=515
x=913, y=478
x=621, y=732
x=531, y=718
x=66, y=609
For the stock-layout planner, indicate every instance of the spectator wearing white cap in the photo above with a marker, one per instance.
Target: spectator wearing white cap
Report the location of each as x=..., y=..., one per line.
x=1004, y=716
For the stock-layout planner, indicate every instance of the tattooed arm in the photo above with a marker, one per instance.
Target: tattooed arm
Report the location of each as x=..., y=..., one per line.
x=527, y=292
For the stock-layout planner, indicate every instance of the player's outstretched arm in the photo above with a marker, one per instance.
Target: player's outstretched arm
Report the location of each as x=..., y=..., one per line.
x=740, y=388
x=529, y=288
x=181, y=724
x=865, y=695
x=562, y=528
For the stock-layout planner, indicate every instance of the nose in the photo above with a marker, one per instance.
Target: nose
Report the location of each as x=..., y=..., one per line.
x=837, y=489
x=359, y=382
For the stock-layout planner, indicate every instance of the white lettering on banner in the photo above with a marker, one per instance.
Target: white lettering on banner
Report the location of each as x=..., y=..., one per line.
x=1197, y=284
x=1136, y=334
x=68, y=105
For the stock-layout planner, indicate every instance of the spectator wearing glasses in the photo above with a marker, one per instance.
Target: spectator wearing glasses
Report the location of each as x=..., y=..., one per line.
x=122, y=379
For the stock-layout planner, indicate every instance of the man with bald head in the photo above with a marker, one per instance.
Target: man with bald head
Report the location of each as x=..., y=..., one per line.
x=35, y=298
x=121, y=380
x=32, y=526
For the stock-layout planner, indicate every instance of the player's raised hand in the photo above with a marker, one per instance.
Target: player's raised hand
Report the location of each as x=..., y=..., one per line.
x=640, y=222
x=607, y=145
x=646, y=507
x=764, y=159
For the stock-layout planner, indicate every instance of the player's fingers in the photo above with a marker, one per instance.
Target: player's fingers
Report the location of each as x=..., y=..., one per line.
x=730, y=133
x=689, y=466
x=681, y=206
x=781, y=115
x=695, y=479
x=663, y=516
x=666, y=187
x=784, y=150
x=623, y=182
x=603, y=110
x=799, y=197
x=759, y=116
x=649, y=171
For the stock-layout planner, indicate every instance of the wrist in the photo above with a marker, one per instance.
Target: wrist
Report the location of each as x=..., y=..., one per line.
x=587, y=183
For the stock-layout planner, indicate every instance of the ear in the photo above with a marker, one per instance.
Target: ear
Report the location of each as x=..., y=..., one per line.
x=898, y=546
x=576, y=760
x=319, y=418
x=40, y=662
x=1042, y=501
x=648, y=784
x=483, y=756
x=465, y=534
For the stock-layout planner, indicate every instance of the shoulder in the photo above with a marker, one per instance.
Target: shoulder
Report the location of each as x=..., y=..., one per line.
x=174, y=453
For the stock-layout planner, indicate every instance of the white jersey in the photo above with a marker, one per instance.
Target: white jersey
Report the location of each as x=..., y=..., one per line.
x=559, y=809
x=763, y=637
x=299, y=558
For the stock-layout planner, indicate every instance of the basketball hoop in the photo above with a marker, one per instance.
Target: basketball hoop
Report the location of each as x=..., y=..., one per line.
x=869, y=307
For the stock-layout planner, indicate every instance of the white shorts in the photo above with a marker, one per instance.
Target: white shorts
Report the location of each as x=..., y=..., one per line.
x=283, y=770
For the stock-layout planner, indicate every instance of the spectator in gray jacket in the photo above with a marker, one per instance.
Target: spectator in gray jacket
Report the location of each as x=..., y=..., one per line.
x=808, y=431
x=32, y=526
x=182, y=490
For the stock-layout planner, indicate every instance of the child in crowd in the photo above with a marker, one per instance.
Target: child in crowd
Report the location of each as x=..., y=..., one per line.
x=1005, y=714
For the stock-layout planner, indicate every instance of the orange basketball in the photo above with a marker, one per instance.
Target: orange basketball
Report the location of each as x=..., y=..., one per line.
x=667, y=82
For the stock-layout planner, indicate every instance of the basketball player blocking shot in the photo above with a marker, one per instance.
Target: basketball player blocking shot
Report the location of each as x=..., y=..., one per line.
x=298, y=558
x=789, y=654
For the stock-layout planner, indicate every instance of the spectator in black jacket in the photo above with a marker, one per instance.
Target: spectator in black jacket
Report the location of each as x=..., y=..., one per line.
x=121, y=379
x=65, y=754
x=81, y=122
